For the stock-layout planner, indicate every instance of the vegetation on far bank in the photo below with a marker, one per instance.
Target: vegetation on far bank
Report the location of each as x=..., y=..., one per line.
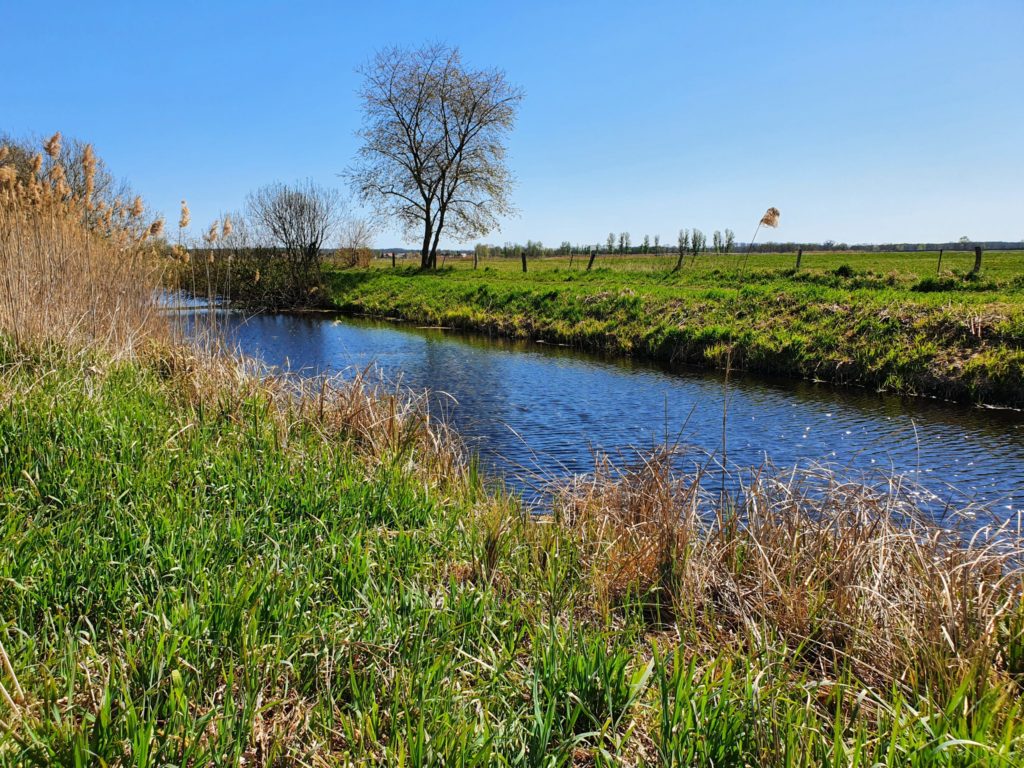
x=884, y=321
x=203, y=564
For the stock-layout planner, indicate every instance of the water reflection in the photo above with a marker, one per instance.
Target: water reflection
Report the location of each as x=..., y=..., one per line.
x=546, y=409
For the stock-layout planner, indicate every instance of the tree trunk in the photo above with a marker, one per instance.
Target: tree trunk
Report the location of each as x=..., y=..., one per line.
x=977, y=260
x=425, y=251
x=437, y=239
x=679, y=262
x=476, y=258
x=392, y=259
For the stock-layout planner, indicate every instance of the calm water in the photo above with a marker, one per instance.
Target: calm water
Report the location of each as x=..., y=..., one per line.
x=536, y=410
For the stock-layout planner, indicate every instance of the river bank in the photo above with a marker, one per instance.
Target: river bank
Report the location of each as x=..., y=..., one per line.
x=204, y=566
x=957, y=338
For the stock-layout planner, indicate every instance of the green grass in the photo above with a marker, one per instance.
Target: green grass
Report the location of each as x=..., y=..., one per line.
x=193, y=580
x=881, y=320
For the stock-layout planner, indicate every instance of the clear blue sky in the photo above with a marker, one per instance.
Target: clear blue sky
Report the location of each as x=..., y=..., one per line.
x=862, y=121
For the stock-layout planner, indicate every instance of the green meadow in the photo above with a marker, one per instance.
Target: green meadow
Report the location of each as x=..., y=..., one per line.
x=886, y=321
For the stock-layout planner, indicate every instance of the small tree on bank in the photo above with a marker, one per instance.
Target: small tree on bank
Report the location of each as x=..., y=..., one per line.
x=297, y=219
x=433, y=153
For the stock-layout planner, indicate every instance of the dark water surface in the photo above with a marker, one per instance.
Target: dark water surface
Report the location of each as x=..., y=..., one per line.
x=544, y=410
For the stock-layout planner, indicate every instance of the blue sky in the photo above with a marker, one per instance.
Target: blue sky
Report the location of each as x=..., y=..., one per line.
x=862, y=121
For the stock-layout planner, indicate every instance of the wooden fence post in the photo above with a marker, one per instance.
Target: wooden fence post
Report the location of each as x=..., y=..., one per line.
x=799, y=255
x=524, y=260
x=392, y=259
x=938, y=268
x=593, y=255
x=977, y=260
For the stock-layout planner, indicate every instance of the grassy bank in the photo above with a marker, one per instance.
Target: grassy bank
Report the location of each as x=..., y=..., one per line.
x=198, y=569
x=883, y=321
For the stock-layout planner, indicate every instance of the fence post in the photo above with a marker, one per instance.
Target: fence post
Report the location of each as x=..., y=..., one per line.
x=799, y=255
x=476, y=257
x=977, y=260
x=524, y=260
x=938, y=268
x=392, y=259
x=593, y=255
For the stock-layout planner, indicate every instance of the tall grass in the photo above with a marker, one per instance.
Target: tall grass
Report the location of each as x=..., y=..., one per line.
x=849, y=579
x=73, y=273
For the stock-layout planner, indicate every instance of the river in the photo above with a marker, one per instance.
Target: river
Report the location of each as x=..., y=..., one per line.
x=537, y=412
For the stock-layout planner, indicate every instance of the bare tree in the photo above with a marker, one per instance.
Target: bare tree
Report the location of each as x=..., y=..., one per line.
x=730, y=240
x=355, y=242
x=717, y=241
x=610, y=242
x=623, y=242
x=298, y=219
x=433, y=153
x=657, y=245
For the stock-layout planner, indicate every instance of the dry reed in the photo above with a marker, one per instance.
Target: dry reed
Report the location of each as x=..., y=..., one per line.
x=68, y=279
x=846, y=576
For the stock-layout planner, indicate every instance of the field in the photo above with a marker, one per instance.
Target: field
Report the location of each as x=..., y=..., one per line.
x=880, y=320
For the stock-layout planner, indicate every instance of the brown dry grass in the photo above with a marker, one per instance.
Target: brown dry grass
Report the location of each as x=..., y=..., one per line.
x=72, y=275
x=846, y=577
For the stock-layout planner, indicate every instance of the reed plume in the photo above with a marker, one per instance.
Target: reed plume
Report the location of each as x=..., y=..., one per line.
x=89, y=171
x=137, y=208
x=52, y=145
x=211, y=234
x=227, y=228
x=770, y=219
x=186, y=216
x=156, y=228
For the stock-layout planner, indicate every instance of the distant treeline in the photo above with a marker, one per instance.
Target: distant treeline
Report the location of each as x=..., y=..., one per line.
x=534, y=248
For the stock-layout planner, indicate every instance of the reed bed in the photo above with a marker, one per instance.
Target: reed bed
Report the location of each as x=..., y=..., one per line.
x=74, y=272
x=205, y=563
x=849, y=579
